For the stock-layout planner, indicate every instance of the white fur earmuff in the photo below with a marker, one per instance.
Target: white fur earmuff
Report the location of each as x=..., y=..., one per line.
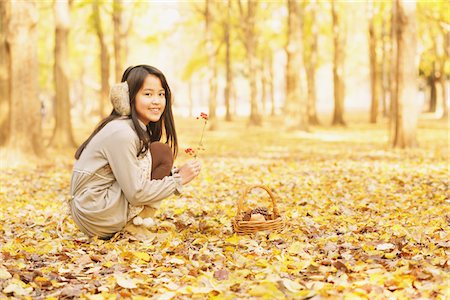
x=120, y=98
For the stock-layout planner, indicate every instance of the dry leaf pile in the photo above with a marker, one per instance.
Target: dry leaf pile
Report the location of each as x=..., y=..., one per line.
x=363, y=222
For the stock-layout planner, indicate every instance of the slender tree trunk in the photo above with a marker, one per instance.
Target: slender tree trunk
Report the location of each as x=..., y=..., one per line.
x=249, y=20
x=338, y=67
x=373, y=66
x=310, y=61
x=296, y=114
x=228, y=70
x=212, y=68
x=271, y=85
x=385, y=81
x=406, y=104
x=25, y=119
x=4, y=73
x=393, y=70
x=105, y=107
x=433, y=94
x=443, y=79
x=62, y=133
x=118, y=55
x=255, y=116
x=265, y=60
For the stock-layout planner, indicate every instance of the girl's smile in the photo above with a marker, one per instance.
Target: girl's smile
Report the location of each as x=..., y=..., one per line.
x=150, y=100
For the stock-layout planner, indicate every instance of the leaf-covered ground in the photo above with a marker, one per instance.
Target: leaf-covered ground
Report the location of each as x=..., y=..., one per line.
x=362, y=222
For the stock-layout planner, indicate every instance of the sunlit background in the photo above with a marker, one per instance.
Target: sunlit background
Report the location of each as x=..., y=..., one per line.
x=171, y=36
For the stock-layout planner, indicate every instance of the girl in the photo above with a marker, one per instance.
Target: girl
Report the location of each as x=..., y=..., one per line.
x=122, y=168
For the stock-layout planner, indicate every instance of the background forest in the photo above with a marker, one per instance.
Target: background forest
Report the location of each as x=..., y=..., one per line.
x=339, y=107
x=256, y=59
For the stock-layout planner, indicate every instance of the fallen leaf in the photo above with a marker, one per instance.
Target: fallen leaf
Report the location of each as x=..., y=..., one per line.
x=125, y=281
x=221, y=274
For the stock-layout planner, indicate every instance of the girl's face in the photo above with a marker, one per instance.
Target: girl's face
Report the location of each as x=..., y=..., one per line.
x=150, y=100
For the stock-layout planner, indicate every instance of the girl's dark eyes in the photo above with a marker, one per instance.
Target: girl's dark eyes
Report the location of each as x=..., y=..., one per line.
x=160, y=95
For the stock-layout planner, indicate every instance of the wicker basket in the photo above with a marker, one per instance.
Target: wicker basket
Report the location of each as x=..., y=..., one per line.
x=244, y=227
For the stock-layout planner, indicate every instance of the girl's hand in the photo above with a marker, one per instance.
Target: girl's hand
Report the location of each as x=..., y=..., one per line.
x=189, y=171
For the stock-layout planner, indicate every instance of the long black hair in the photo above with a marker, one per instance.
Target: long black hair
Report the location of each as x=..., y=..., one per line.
x=135, y=77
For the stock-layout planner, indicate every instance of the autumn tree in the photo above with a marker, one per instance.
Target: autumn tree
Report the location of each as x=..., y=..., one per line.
x=296, y=115
x=249, y=37
x=25, y=139
x=310, y=56
x=117, y=18
x=405, y=104
x=228, y=66
x=104, y=58
x=374, y=66
x=338, y=64
x=62, y=134
x=385, y=73
x=212, y=64
x=434, y=61
x=4, y=73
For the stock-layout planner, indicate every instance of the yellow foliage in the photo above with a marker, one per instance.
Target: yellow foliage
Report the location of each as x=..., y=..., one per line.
x=362, y=222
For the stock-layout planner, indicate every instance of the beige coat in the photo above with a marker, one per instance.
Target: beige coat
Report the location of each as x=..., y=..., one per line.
x=108, y=179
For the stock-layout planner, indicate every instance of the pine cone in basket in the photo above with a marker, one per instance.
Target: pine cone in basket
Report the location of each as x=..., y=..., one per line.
x=259, y=210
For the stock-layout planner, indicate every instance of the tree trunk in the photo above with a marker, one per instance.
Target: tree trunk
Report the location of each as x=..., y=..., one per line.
x=271, y=85
x=265, y=60
x=249, y=19
x=310, y=60
x=212, y=68
x=228, y=70
x=443, y=79
x=105, y=107
x=373, y=67
x=406, y=110
x=393, y=70
x=25, y=142
x=296, y=114
x=263, y=89
x=118, y=40
x=433, y=94
x=385, y=79
x=62, y=133
x=338, y=67
x=4, y=73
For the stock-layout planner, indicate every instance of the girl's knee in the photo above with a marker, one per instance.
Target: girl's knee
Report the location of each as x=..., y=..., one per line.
x=162, y=160
x=160, y=149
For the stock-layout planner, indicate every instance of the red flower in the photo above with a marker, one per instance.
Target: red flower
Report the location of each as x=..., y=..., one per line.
x=204, y=116
x=190, y=151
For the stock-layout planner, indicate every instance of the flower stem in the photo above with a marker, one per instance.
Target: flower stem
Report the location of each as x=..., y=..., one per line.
x=203, y=131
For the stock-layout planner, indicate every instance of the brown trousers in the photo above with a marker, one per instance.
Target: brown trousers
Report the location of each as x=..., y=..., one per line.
x=162, y=160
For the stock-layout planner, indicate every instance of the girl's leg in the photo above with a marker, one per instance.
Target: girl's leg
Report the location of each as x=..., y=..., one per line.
x=162, y=160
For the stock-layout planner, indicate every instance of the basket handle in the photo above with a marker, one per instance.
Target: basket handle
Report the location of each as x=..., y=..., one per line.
x=240, y=206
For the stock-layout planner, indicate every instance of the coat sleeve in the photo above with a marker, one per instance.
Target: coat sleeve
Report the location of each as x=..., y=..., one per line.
x=120, y=149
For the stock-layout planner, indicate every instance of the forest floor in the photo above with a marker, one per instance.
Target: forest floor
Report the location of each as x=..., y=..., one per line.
x=363, y=221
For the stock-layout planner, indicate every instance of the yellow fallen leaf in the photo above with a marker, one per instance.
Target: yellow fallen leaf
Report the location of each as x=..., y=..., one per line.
x=385, y=246
x=142, y=255
x=167, y=296
x=290, y=285
x=234, y=240
x=266, y=290
x=390, y=255
x=176, y=261
x=4, y=274
x=108, y=264
x=125, y=281
x=17, y=289
x=295, y=248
